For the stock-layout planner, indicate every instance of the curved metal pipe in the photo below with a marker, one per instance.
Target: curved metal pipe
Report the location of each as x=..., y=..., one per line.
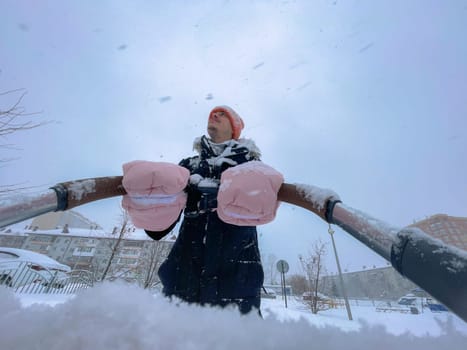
x=439, y=269
x=19, y=208
x=374, y=233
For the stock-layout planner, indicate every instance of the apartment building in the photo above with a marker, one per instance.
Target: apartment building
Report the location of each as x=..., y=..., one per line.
x=129, y=255
x=375, y=283
x=449, y=229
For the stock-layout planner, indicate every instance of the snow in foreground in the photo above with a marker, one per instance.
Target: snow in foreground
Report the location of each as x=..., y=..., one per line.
x=115, y=316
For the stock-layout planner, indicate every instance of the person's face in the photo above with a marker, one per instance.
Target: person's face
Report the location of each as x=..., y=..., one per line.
x=219, y=128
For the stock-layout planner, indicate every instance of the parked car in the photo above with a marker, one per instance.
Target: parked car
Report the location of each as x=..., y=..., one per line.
x=423, y=302
x=20, y=267
x=407, y=304
x=435, y=306
x=310, y=296
x=411, y=302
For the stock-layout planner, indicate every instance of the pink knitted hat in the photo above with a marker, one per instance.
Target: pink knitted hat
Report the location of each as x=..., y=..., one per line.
x=235, y=121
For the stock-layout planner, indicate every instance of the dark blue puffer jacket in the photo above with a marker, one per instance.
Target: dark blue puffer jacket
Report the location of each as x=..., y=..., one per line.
x=213, y=262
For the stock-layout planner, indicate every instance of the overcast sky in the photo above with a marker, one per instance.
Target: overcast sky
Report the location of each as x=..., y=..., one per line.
x=367, y=98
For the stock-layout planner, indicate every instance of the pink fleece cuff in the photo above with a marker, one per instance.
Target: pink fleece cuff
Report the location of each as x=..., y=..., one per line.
x=248, y=194
x=155, y=196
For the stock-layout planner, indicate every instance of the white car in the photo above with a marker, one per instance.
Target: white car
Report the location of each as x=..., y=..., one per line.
x=20, y=267
x=407, y=304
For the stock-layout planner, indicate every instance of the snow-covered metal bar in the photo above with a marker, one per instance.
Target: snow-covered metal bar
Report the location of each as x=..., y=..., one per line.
x=374, y=233
x=439, y=269
x=63, y=196
x=21, y=207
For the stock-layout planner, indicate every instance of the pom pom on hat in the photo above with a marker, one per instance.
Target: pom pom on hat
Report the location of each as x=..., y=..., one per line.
x=235, y=121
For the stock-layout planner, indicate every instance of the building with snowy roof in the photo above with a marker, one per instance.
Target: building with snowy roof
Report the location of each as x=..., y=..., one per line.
x=61, y=219
x=125, y=253
x=449, y=229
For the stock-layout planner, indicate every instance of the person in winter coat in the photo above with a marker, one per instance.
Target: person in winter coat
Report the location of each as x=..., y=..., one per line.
x=225, y=191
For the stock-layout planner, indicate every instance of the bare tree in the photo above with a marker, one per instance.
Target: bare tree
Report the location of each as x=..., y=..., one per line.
x=124, y=220
x=149, y=265
x=299, y=283
x=14, y=118
x=313, y=266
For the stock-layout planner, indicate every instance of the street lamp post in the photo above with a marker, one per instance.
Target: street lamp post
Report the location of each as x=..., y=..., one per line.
x=347, y=305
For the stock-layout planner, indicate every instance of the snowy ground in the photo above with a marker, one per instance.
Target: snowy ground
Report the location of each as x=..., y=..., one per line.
x=115, y=316
x=426, y=323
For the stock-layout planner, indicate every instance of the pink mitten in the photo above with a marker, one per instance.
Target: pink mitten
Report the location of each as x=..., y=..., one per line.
x=155, y=196
x=248, y=194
